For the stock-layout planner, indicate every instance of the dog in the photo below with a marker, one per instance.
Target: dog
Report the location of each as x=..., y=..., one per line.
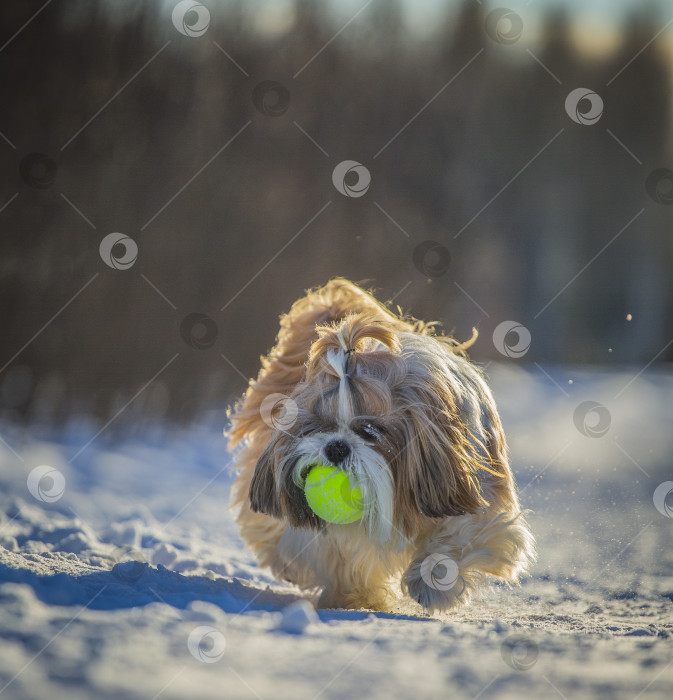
x=400, y=409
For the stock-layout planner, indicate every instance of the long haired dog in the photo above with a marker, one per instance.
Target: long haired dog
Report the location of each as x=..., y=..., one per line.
x=400, y=409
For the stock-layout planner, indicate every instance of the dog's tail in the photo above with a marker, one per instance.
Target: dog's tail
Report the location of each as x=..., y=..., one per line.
x=284, y=366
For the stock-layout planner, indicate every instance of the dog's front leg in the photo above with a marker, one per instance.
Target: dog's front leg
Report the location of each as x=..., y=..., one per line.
x=453, y=559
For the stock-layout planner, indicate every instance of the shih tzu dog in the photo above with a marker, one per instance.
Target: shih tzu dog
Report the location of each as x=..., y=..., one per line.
x=401, y=410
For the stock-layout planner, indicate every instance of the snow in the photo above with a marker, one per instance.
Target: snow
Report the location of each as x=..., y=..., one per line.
x=297, y=616
x=127, y=579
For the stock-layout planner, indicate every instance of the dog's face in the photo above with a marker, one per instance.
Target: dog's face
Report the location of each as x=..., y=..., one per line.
x=410, y=420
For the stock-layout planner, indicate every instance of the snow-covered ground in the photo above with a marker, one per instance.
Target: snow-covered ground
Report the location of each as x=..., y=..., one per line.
x=122, y=574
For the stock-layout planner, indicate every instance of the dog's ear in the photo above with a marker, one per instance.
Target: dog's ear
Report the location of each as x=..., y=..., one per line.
x=296, y=508
x=436, y=469
x=445, y=478
x=263, y=493
x=290, y=503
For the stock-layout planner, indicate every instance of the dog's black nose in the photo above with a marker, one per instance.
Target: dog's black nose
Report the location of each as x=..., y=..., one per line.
x=337, y=450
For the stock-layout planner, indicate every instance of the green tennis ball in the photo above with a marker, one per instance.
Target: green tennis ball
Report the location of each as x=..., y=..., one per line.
x=331, y=497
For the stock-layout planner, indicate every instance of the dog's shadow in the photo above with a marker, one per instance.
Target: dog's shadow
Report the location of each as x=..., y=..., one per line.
x=134, y=584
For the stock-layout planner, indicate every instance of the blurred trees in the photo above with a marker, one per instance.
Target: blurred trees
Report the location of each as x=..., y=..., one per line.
x=476, y=169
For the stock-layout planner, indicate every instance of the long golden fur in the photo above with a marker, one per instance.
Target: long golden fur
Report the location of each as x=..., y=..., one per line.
x=416, y=425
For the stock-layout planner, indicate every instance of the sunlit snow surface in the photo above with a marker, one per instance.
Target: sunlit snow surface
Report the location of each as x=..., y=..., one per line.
x=198, y=619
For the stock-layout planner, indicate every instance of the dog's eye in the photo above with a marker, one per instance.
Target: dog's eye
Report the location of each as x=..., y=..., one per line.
x=369, y=430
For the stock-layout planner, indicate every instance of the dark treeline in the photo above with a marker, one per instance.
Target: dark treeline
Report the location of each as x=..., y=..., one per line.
x=493, y=157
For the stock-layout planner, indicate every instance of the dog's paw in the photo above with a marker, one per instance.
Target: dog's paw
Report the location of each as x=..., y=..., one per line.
x=437, y=583
x=453, y=563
